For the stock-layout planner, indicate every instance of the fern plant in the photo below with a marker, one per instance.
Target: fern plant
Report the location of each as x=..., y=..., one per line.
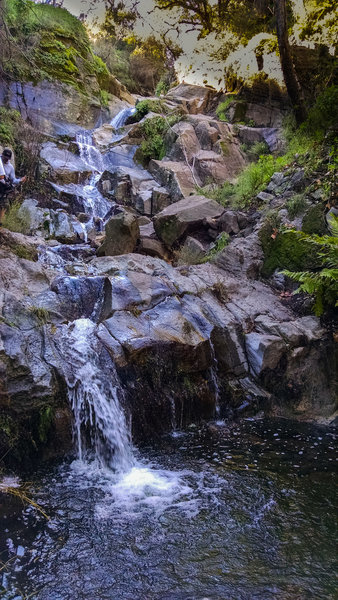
x=322, y=282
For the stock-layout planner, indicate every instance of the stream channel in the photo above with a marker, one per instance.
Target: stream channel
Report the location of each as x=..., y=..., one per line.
x=241, y=510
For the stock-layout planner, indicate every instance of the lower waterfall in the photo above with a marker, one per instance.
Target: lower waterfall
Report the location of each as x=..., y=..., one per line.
x=95, y=394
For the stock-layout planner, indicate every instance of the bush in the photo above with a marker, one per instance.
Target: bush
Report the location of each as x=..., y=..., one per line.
x=323, y=114
x=220, y=243
x=154, y=131
x=296, y=205
x=9, y=121
x=222, y=108
x=162, y=87
x=322, y=282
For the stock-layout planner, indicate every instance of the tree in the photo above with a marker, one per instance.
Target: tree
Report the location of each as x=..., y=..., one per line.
x=245, y=18
x=288, y=69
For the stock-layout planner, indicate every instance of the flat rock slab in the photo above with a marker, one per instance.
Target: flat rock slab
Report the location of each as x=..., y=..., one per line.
x=184, y=216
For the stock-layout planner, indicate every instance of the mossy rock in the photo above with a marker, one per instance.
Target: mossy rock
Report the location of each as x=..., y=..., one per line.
x=314, y=220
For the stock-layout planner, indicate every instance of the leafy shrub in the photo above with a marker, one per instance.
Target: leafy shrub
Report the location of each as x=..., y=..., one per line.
x=9, y=120
x=255, y=150
x=321, y=283
x=220, y=243
x=323, y=114
x=222, y=108
x=145, y=106
x=296, y=205
x=162, y=87
x=154, y=131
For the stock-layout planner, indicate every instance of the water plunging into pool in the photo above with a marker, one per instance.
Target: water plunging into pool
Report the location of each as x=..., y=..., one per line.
x=96, y=396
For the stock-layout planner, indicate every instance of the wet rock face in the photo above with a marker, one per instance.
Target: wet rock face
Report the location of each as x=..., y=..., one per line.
x=171, y=330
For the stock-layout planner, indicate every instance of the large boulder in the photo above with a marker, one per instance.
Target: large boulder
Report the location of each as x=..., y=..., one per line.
x=52, y=107
x=193, y=98
x=177, y=177
x=213, y=167
x=183, y=217
x=183, y=141
x=122, y=233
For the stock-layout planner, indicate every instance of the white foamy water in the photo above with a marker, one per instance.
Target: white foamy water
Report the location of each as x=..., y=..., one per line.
x=120, y=119
x=95, y=395
x=88, y=152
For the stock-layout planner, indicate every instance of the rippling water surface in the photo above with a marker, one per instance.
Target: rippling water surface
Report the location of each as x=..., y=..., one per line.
x=230, y=512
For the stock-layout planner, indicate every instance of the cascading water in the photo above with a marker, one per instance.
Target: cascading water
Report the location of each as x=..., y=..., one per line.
x=88, y=152
x=119, y=120
x=95, y=394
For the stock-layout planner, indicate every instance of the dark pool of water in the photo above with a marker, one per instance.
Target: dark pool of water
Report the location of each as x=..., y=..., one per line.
x=232, y=512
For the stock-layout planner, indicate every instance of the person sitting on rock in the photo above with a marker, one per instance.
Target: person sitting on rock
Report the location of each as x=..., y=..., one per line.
x=8, y=180
x=9, y=169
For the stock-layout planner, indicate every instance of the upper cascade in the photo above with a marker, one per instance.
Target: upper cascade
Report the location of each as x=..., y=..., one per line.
x=120, y=119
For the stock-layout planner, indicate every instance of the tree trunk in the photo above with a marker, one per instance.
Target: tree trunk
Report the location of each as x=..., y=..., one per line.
x=289, y=73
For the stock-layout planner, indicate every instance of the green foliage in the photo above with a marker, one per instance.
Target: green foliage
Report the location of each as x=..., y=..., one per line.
x=46, y=416
x=282, y=251
x=296, y=205
x=9, y=121
x=321, y=283
x=323, y=115
x=42, y=314
x=13, y=221
x=255, y=150
x=145, y=106
x=162, y=87
x=104, y=97
x=223, y=107
x=220, y=243
x=154, y=131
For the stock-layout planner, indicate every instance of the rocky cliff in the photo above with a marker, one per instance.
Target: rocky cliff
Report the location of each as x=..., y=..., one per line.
x=189, y=341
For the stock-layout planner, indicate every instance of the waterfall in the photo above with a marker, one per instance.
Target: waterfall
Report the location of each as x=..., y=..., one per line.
x=95, y=393
x=121, y=117
x=89, y=153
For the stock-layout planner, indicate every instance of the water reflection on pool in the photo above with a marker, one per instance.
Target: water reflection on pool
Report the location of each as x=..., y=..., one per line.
x=242, y=511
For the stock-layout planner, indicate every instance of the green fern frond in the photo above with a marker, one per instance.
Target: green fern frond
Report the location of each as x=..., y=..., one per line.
x=321, y=284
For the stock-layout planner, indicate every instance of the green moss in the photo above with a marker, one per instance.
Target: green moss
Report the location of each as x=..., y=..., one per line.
x=13, y=221
x=223, y=107
x=9, y=429
x=220, y=243
x=42, y=314
x=55, y=47
x=24, y=252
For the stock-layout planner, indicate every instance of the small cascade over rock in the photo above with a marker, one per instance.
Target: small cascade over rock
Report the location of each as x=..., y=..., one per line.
x=88, y=152
x=120, y=119
x=95, y=393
